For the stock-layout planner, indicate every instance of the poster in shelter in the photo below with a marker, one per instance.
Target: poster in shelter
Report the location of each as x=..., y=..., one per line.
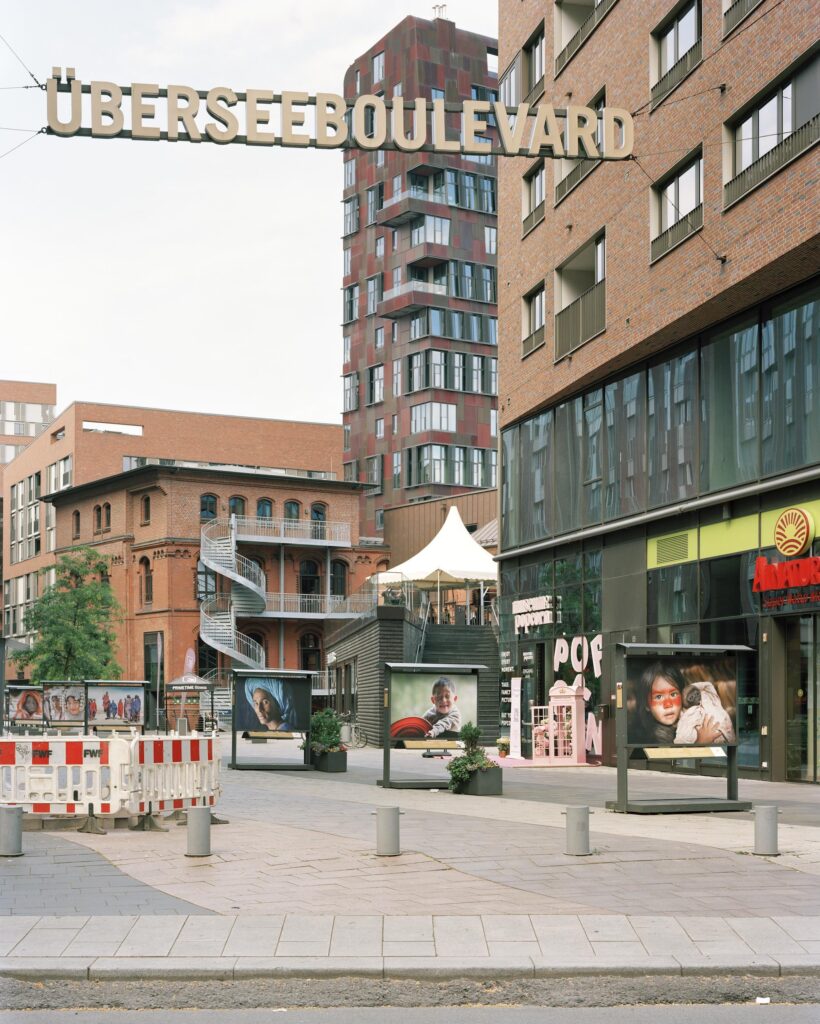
x=116, y=705
x=24, y=704
x=432, y=704
x=271, y=703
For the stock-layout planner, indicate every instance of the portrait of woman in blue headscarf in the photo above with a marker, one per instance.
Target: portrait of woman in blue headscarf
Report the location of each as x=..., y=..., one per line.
x=271, y=705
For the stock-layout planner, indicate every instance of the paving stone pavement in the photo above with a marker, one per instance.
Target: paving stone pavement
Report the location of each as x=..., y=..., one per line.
x=482, y=884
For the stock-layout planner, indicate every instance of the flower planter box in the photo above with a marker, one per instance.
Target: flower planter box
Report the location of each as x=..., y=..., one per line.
x=330, y=761
x=486, y=783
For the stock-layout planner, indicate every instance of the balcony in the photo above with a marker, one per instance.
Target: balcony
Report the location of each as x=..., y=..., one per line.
x=304, y=532
x=676, y=74
x=581, y=169
x=585, y=30
x=733, y=15
x=409, y=298
x=533, y=219
x=314, y=606
x=427, y=254
x=770, y=163
x=581, y=320
x=404, y=207
x=679, y=232
x=533, y=341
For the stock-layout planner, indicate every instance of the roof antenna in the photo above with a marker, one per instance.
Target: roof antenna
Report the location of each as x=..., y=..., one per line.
x=439, y=10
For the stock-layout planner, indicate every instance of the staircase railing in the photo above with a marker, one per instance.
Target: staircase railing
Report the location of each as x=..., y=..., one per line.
x=425, y=618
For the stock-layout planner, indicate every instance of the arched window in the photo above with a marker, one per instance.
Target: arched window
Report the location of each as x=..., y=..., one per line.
x=310, y=652
x=318, y=518
x=146, y=582
x=106, y=516
x=97, y=518
x=309, y=577
x=291, y=510
x=207, y=506
x=264, y=508
x=75, y=524
x=338, y=578
x=145, y=509
x=236, y=505
x=259, y=639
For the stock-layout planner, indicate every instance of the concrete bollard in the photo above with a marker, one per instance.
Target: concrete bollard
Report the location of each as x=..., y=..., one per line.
x=387, y=832
x=577, y=831
x=11, y=831
x=199, y=832
x=182, y=726
x=766, y=830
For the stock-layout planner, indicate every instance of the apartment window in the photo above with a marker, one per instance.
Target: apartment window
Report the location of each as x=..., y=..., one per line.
x=380, y=247
x=778, y=128
x=534, y=306
x=679, y=211
x=380, y=520
x=346, y=437
x=415, y=372
x=396, y=282
x=378, y=337
x=236, y=505
x=351, y=303
x=379, y=428
x=490, y=241
x=106, y=516
x=350, y=172
x=351, y=471
x=394, y=423
x=534, y=184
x=98, y=519
x=435, y=230
x=375, y=201
x=358, y=81
x=373, y=471
x=351, y=392
x=679, y=50
x=75, y=525
x=580, y=297
x=379, y=155
x=292, y=509
x=397, y=377
x=264, y=508
x=438, y=368
x=375, y=384
x=509, y=87
x=575, y=21
x=145, y=509
x=396, y=469
x=346, y=349
x=378, y=67
x=346, y=262
x=374, y=293
x=351, y=215
x=207, y=506
x=394, y=332
x=493, y=422
x=534, y=66
x=432, y=416
x=394, y=240
x=396, y=185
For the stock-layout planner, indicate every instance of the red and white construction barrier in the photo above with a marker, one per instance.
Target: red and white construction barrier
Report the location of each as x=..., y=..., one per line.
x=174, y=773
x=51, y=775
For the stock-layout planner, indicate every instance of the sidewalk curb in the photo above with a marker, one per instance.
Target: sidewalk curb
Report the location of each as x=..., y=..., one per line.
x=438, y=969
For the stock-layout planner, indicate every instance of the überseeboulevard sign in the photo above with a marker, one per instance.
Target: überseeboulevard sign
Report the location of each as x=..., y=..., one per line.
x=260, y=117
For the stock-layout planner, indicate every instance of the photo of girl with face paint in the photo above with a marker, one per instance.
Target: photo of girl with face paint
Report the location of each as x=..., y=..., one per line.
x=661, y=695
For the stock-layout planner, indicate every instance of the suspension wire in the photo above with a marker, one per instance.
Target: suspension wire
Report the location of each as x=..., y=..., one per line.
x=8, y=152
x=31, y=74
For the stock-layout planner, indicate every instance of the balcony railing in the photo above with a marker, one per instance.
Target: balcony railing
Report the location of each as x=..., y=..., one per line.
x=783, y=153
x=733, y=15
x=533, y=341
x=575, y=177
x=583, y=33
x=290, y=531
x=682, y=229
x=298, y=605
x=537, y=91
x=676, y=74
x=533, y=219
x=414, y=286
x=580, y=320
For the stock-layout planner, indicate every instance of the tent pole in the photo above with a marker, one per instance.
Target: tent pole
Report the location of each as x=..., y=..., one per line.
x=438, y=603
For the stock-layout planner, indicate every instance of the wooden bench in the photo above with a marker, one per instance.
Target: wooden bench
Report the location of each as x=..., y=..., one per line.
x=433, y=747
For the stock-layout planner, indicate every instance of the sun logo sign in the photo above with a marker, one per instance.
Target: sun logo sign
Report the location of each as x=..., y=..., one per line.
x=793, y=532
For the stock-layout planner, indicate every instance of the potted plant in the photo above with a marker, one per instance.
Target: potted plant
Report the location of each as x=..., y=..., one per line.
x=503, y=744
x=327, y=752
x=473, y=772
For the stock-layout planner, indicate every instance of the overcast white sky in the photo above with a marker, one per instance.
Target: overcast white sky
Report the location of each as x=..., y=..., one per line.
x=204, y=278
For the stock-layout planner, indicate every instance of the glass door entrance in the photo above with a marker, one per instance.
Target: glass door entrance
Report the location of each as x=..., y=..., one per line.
x=802, y=637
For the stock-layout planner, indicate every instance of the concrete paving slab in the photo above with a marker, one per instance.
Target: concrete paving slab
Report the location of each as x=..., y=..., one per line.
x=509, y=928
x=411, y=928
x=408, y=949
x=765, y=936
x=254, y=936
x=36, y=968
x=202, y=937
x=151, y=937
x=355, y=936
x=100, y=936
x=307, y=928
x=13, y=929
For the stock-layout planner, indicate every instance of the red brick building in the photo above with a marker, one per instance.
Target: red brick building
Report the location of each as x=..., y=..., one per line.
x=211, y=547
x=419, y=285
x=660, y=347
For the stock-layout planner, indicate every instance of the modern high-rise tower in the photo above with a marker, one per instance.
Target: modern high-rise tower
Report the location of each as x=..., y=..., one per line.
x=419, y=284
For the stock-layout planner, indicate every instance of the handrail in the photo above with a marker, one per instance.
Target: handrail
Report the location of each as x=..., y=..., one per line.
x=425, y=618
x=581, y=320
x=218, y=628
x=584, y=32
x=285, y=530
x=677, y=233
x=676, y=74
x=733, y=15
x=784, y=152
x=414, y=286
x=582, y=168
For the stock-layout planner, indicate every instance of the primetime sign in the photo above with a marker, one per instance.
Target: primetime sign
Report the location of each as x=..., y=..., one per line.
x=369, y=122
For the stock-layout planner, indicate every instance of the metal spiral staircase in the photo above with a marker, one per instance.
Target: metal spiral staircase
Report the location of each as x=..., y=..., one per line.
x=217, y=615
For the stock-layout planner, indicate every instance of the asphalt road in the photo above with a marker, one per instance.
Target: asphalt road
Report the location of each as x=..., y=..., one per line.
x=680, y=1014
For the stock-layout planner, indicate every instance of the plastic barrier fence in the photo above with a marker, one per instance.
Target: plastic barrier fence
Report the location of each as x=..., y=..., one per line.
x=172, y=773
x=65, y=776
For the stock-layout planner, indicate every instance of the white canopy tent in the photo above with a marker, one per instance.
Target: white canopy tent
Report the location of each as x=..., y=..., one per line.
x=452, y=558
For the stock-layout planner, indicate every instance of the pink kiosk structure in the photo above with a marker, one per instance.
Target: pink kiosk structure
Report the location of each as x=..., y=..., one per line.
x=558, y=728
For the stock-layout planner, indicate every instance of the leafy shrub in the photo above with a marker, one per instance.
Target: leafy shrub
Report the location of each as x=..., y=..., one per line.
x=325, y=732
x=474, y=758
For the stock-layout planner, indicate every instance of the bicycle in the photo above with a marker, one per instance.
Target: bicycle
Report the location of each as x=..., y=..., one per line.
x=358, y=737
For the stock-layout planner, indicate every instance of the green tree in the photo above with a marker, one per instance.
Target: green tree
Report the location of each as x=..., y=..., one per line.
x=74, y=623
